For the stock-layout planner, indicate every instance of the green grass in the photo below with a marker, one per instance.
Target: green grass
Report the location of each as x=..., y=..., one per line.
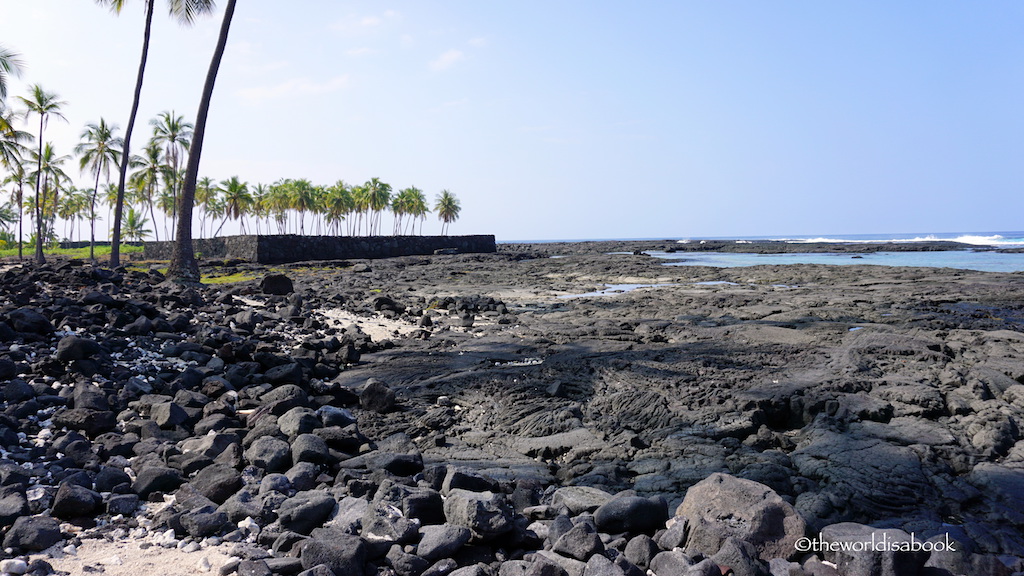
x=229, y=279
x=102, y=252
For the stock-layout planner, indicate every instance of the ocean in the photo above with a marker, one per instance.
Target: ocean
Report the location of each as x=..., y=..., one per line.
x=982, y=257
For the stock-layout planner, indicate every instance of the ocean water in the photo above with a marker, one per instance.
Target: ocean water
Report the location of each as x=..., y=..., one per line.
x=961, y=259
x=980, y=257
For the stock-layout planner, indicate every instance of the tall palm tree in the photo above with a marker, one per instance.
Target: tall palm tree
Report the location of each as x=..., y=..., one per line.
x=146, y=178
x=19, y=177
x=338, y=204
x=44, y=104
x=174, y=134
x=236, y=200
x=360, y=205
x=448, y=209
x=418, y=208
x=183, y=266
x=260, y=208
x=185, y=11
x=12, y=140
x=49, y=172
x=206, y=195
x=379, y=198
x=99, y=150
x=303, y=199
x=10, y=65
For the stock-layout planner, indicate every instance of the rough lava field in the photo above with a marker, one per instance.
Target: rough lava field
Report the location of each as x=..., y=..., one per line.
x=474, y=415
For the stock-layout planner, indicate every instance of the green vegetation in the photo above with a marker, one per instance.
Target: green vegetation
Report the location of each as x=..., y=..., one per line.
x=162, y=178
x=229, y=278
x=8, y=251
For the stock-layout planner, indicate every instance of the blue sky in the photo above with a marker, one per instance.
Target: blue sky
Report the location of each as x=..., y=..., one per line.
x=595, y=119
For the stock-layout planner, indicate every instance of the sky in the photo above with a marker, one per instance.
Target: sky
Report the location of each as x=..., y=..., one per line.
x=583, y=119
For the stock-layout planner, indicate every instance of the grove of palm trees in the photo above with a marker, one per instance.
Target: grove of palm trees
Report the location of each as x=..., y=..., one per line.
x=147, y=191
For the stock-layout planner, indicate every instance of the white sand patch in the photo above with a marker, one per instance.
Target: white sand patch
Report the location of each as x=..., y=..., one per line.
x=376, y=327
x=127, y=558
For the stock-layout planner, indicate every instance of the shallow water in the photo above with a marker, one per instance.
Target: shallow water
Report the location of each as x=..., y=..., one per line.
x=961, y=259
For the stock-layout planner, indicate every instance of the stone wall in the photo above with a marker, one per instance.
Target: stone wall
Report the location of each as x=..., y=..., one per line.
x=282, y=249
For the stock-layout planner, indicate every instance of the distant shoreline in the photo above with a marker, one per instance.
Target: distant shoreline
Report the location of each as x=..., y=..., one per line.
x=740, y=246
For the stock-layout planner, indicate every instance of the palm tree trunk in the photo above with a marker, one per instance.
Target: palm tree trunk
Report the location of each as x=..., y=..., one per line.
x=183, y=266
x=92, y=218
x=21, y=231
x=40, y=259
x=115, y=243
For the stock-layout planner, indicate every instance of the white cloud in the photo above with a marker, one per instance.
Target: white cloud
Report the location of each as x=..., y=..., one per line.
x=477, y=42
x=359, y=51
x=293, y=88
x=447, y=60
x=370, y=21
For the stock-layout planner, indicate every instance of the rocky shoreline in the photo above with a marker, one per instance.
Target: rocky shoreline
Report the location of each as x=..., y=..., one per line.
x=471, y=415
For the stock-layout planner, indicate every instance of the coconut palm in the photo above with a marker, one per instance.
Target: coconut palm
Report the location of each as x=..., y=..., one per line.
x=236, y=200
x=175, y=134
x=100, y=149
x=338, y=205
x=302, y=196
x=12, y=140
x=10, y=65
x=418, y=208
x=360, y=205
x=146, y=178
x=19, y=177
x=50, y=173
x=259, y=207
x=448, y=209
x=379, y=199
x=183, y=266
x=135, y=226
x=185, y=11
x=206, y=193
x=44, y=104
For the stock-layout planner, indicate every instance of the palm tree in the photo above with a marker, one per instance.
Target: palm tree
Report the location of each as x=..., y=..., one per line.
x=45, y=104
x=379, y=198
x=260, y=208
x=150, y=165
x=11, y=65
x=12, y=148
x=338, y=204
x=135, y=226
x=49, y=172
x=360, y=205
x=99, y=149
x=236, y=200
x=206, y=195
x=185, y=11
x=19, y=177
x=303, y=199
x=175, y=134
x=418, y=208
x=448, y=209
x=183, y=266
